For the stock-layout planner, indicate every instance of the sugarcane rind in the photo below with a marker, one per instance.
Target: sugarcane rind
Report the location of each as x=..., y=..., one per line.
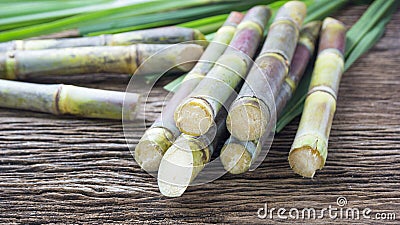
x=282, y=41
x=290, y=83
x=10, y=72
x=328, y=70
x=250, y=25
x=309, y=34
x=294, y=11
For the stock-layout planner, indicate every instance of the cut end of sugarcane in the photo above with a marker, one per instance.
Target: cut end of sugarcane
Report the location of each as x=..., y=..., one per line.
x=194, y=117
x=305, y=161
x=235, y=158
x=247, y=120
x=175, y=172
x=151, y=147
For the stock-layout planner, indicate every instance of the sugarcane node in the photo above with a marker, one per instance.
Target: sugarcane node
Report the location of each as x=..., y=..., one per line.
x=333, y=35
x=56, y=109
x=256, y=18
x=294, y=11
x=309, y=34
x=291, y=83
x=282, y=39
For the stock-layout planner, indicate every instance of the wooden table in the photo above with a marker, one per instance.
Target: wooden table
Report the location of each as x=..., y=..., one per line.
x=69, y=170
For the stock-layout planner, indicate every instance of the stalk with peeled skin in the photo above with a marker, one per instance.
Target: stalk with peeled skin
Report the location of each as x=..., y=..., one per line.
x=61, y=99
x=163, y=132
x=109, y=59
x=195, y=116
x=237, y=156
x=310, y=146
x=250, y=113
x=164, y=35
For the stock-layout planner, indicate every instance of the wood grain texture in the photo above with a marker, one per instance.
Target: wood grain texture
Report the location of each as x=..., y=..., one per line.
x=69, y=170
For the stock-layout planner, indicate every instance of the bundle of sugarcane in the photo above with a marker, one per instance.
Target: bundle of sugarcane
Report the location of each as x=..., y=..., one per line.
x=163, y=132
x=310, y=146
x=195, y=116
x=163, y=35
x=105, y=59
x=236, y=155
x=250, y=114
x=189, y=154
x=61, y=99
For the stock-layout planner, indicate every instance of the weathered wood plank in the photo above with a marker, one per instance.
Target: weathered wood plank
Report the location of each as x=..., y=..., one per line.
x=69, y=170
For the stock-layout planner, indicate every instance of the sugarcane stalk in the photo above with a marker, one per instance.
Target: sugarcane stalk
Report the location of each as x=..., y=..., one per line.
x=163, y=132
x=59, y=99
x=195, y=116
x=251, y=111
x=163, y=35
x=310, y=146
x=189, y=155
x=19, y=65
x=238, y=156
x=302, y=55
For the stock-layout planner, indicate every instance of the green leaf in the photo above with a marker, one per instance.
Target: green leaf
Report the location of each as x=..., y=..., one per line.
x=94, y=14
x=368, y=20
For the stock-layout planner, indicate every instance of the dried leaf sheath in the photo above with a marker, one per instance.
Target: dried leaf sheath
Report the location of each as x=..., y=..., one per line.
x=251, y=112
x=195, y=116
x=237, y=156
x=310, y=147
x=160, y=136
x=85, y=60
x=164, y=35
x=66, y=99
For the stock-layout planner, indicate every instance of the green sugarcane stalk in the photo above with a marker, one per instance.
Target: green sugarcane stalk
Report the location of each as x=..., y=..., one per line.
x=163, y=35
x=238, y=156
x=195, y=116
x=59, y=99
x=251, y=112
x=310, y=146
x=163, y=132
x=19, y=65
